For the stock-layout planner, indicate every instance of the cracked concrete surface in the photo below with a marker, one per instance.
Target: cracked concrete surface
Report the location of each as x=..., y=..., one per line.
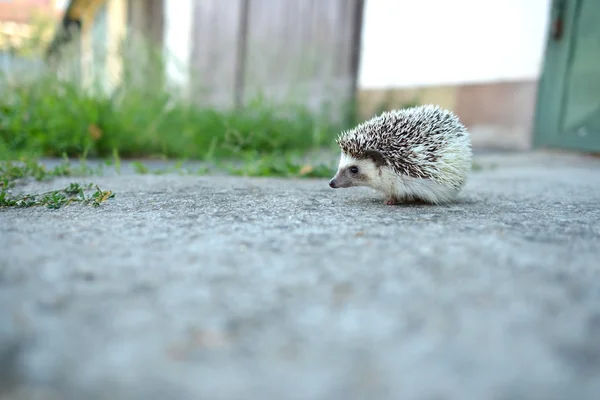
x=240, y=288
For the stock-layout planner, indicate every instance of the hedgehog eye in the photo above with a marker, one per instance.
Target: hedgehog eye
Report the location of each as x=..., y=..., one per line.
x=354, y=170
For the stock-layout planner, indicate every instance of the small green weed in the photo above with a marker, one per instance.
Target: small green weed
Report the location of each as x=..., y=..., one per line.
x=56, y=199
x=117, y=160
x=139, y=167
x=12, y=172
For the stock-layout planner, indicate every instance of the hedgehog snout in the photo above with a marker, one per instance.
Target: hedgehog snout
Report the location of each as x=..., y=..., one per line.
x=341, y=180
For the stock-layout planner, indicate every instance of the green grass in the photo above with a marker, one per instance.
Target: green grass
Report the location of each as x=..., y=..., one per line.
x=47, y=117
x=50, y=117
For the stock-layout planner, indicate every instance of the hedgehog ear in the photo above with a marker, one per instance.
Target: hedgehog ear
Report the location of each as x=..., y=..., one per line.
x=376, y=156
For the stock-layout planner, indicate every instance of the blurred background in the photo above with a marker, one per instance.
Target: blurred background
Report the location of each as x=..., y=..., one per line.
x=209, y=78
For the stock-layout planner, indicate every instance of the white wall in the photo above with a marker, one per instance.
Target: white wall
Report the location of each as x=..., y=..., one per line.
x=61, y=5
x=409, y=43
x=177, y=41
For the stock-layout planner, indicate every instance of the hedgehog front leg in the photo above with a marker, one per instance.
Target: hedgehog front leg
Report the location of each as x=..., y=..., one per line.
x=392, y=201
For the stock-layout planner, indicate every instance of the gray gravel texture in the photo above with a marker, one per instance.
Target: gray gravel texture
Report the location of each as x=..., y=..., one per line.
x=188, y=287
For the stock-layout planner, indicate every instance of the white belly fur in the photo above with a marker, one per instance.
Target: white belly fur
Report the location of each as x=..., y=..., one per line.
x=405, y=188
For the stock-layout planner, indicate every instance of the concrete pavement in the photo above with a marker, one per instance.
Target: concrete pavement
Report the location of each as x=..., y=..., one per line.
x=240, y=288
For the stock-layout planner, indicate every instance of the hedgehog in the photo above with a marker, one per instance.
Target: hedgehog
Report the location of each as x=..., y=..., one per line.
x=417, y=154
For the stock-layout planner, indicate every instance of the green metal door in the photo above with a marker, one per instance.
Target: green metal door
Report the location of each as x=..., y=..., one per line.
x=568, y=103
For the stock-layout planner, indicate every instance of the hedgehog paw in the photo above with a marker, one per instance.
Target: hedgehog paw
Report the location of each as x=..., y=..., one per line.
x=392, y=201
